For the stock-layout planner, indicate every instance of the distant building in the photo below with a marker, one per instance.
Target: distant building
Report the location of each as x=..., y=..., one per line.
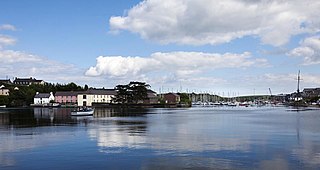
x=43, y=98
x=5, y=81
x=64, y=97
x=4, y=91
x=152, y=97
x=171, y=98
x=28, y=81
x=311, y=92
x=295, y=97
x=203, y=97
x=102, y=96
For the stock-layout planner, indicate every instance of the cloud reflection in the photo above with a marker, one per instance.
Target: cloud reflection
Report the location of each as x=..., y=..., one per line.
x=162, y=139
x=24, y=140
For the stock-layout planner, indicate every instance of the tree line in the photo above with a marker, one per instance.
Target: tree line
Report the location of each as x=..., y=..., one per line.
x=24, y=95
x=131, y=93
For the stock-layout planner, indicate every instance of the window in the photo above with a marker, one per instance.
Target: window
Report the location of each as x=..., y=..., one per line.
x=84, y=96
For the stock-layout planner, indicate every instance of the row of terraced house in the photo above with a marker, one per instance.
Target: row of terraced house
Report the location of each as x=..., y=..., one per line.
x=80, y=98
x=95, y=97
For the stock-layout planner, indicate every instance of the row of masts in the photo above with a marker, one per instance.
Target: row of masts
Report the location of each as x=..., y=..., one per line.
x=161, y=89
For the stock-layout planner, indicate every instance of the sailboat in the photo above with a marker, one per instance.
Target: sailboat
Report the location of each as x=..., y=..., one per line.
x=297, y=100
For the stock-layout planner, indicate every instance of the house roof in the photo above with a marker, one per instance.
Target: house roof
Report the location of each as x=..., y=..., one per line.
x=313, y=90
x=100, y=92
x=108, y=92
x=27, y=80
x=66, y=93
x=42, y=95
x=175, y=94
x=6, y=81
x=151, y=94
x=151, y=91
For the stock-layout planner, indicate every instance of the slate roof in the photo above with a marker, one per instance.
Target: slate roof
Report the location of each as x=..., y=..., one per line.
x=42, y=95
x=175, y=94
x=100, y=92
x=66, y=93
x=5, y=81
x=26, y=80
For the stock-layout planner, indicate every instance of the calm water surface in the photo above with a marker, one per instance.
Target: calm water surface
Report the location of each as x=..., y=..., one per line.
x=194, y=138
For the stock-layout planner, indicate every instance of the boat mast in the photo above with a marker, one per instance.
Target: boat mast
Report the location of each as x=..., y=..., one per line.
x=298, y=90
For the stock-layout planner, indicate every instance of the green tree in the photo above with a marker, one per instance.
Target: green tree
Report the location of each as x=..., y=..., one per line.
x=134, y=92
x=184, y=99
x=139, y=91
x=86, y=87
x=24, y=96
x=122, y=94
x=4, y=100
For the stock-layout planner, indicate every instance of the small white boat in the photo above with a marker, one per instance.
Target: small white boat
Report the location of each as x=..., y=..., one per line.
x=83, y=112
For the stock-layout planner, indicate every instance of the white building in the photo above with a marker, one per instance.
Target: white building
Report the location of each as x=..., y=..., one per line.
x=4, y=91
x=88, y=97
x=43, y=98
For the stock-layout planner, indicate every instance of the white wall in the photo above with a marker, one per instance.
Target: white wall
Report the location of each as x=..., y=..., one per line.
x=44, y=100
x=91, y=98
x=41, y=100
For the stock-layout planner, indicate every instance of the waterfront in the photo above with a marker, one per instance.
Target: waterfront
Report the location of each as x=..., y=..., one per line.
x=193, y=138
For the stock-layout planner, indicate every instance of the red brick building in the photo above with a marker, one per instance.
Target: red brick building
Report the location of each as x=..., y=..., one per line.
x=171, y=98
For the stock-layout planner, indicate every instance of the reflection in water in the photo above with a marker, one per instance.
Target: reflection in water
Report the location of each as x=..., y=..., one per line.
x=276, y=163
x=119, y=112
x=202, y=163
x=173, y=135
x=41, y=116
x=197, y=138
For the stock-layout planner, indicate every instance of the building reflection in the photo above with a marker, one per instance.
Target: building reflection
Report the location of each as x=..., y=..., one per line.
x=118, y=112
x=4, y=119
x=47, y=116
x=41, y=116
x=34, y=117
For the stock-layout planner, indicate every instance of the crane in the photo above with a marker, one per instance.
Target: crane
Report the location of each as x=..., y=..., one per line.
x=271, y=98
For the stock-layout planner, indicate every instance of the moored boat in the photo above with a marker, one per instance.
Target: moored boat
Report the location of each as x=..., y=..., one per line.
x=83, y=112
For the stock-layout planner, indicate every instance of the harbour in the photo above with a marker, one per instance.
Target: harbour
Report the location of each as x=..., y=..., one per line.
x=160, y=138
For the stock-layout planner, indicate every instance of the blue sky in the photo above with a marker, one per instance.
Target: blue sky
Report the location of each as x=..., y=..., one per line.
x=232, y=46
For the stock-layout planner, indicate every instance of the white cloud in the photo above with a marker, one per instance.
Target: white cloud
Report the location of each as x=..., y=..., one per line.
x=309, y=49
x=22, y=64
x=7, y=27
x=10, y=56
x=213, y=22
x=6, y=40
x=117, y=66
x=180, y=64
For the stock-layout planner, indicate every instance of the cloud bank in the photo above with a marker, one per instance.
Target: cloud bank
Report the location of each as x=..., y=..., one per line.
x=195, y=70
x=181, y=64
x=213, y=22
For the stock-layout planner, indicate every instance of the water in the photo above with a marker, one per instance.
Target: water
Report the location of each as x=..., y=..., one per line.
x=194, y=138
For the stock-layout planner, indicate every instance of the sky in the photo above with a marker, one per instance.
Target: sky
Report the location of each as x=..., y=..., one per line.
x=224, y=47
